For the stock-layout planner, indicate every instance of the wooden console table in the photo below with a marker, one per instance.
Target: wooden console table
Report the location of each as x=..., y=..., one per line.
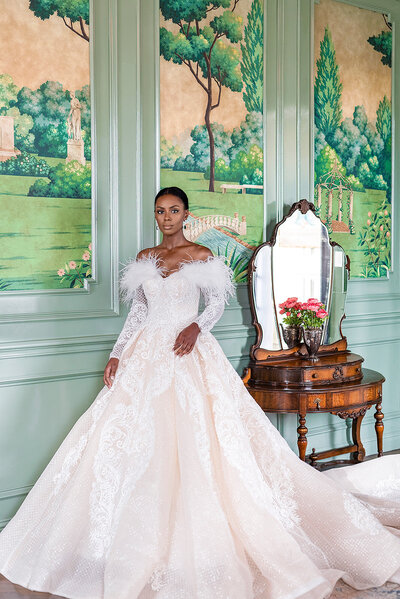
x=335, y=384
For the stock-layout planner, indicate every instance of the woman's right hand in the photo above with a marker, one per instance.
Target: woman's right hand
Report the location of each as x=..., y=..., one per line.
x=109, y=371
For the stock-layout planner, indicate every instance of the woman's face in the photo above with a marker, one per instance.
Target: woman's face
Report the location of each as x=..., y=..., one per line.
x=170, y=214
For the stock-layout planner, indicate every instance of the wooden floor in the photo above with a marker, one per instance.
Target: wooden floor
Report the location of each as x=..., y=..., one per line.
x=13, y=591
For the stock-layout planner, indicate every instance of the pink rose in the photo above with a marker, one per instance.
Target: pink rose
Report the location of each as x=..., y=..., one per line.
x=304, y=306
x=313, y=308
x=368, y=222
x=381, y=227
x=313, y=300
x=282, y=311
x=86, y=256
x=287, y=313
x=61, y=272
x=388, y=234
x=290, y=303
x=322, y=314
x=292, y=299
x=298, y=314
x=283, y=305
x=72, y=264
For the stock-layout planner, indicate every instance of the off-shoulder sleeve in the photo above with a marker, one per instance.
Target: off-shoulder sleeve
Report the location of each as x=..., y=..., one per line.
x=131, y=286
x=216, y=284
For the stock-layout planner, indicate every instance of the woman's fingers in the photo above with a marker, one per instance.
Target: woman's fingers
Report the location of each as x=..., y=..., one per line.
x=109, y=372
x=106, y=376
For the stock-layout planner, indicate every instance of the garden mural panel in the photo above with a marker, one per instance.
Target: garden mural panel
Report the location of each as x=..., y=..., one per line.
x=211, y=121
x=353, y=141
x=45, y=145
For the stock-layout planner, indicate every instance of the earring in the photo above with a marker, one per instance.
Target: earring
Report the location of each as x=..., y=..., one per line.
x=184, y=224
x=157, y=227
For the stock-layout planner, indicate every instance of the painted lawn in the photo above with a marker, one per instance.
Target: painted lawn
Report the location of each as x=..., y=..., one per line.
x=38, y=235
x=364, y=202
x=202, y=202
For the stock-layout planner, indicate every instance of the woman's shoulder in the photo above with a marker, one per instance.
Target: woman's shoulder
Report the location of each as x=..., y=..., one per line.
x=212, y=273
x=136, y=271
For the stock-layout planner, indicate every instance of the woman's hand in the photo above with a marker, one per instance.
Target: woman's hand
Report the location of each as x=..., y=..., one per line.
x=109, y=371
x=186, y=339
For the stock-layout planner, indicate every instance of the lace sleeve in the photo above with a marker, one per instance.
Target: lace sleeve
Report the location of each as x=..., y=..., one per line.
x=137, y=315
x=216, y=284
x=213, y=310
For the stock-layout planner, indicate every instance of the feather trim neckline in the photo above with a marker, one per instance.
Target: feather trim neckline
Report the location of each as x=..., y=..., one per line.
x=155, y=261
x=213, y=273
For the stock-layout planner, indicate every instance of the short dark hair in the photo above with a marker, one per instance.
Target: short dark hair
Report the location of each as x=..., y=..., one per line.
x=174, y=191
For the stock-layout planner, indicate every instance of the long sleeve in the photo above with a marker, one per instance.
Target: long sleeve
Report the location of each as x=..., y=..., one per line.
x=213, y=310
x=216, y=287
x=137, y=315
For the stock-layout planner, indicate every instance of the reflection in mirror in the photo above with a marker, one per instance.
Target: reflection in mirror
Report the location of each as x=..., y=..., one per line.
x=338, y=296
x=264, y=300
x=301, y=262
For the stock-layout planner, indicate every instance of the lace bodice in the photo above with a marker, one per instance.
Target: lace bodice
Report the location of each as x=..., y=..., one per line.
x=173, y=301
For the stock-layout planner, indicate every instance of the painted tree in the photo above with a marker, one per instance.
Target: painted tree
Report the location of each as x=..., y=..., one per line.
x=327, y=89
x=74, y=13
x=206, y=49
x=383, y=43
x=384, y=128
x=384, y=119
x=252, y=65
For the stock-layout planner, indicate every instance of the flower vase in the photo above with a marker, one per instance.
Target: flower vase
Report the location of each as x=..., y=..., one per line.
x=291, y=335
x=312, y=340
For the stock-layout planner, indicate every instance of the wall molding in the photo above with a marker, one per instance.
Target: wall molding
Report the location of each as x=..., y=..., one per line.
x=64, y=376
x=16, y=492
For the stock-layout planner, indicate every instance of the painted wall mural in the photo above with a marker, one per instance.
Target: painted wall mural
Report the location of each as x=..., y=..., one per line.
x=353, y=142
x=45, y=145
x=211, y=105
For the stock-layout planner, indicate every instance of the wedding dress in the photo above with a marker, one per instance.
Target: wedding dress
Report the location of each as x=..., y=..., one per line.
x=175, y=485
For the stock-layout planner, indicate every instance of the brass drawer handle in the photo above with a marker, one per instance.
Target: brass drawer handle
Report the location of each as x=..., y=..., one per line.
x=317, y=402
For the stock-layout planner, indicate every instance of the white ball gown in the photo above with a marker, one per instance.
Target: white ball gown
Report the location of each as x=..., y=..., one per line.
x=175, y=485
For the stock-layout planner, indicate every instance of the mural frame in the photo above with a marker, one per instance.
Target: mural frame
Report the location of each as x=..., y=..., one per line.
x=269, y=123
x=388, y=9
x=94, y=299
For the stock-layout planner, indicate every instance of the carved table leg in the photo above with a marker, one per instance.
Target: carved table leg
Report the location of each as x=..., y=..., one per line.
x=358, y=455
x=302, y=438
x=379, y=427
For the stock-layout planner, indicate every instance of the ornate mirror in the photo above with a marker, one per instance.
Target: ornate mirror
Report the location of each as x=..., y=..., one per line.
x=300, y=261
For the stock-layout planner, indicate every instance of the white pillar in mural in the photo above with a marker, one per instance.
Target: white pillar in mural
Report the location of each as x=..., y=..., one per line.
x=75, y=143
x=7, y=149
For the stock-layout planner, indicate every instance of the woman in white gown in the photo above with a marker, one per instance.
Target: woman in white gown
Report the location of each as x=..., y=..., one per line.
x=175, y=485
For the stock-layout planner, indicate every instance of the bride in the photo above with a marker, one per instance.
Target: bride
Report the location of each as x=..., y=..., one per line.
x=175, y=485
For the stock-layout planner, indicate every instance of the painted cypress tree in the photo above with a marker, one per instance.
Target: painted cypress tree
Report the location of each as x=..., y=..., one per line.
x=327, y=89
x=384, y=128
x=252, y=65
x=384, y=119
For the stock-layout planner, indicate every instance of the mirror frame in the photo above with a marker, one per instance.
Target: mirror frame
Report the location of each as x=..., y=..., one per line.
x=256, y=352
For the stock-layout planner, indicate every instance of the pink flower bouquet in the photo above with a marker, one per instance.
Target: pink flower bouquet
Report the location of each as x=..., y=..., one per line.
x=291, y=308
x=313, y=314
x=310, y=314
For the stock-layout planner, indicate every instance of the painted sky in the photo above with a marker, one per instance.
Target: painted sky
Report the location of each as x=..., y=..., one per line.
x=33, y=51
x=183, y=102
x=365, y=79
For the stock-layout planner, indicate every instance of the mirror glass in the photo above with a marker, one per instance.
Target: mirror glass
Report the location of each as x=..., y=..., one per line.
x=303, y=264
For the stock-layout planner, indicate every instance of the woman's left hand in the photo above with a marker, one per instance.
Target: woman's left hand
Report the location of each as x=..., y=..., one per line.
x=186, y=339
